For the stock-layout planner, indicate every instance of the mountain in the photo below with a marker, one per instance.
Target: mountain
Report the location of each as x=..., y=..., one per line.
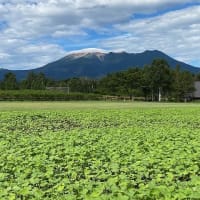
x=95, y=64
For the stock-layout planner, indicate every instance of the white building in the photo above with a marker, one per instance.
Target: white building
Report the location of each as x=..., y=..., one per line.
x=196, y=94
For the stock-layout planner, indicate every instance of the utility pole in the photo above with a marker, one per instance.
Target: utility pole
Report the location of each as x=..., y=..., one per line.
x=159, y=94
x=152, y=96
x=68, y=89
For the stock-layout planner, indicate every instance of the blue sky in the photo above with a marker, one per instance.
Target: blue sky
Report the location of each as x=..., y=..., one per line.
x=36, y=32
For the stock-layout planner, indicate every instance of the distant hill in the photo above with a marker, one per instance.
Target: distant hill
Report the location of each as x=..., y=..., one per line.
x=98, y=64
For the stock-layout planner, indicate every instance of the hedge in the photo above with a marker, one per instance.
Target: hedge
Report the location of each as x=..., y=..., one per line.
x=44, y=95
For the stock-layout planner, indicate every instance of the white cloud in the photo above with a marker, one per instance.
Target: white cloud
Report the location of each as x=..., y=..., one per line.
x=176, y=33
x=51, y=16
x=26, y=56
x=27, y=22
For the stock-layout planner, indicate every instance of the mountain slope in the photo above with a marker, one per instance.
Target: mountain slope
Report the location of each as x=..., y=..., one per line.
x=98, y=64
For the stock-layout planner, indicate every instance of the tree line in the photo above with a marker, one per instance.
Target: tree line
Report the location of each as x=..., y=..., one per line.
x=154, y=82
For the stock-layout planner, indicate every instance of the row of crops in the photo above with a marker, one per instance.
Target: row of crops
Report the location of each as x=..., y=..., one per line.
x=100, y=154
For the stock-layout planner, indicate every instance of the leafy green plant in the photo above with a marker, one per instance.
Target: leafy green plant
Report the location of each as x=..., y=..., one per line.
x=100, y=154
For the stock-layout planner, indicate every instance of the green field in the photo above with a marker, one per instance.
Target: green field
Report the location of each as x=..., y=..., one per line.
x=99, y=150
x=70, y=105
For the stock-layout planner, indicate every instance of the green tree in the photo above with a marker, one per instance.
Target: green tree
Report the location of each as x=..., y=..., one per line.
x=84, y=85
x=158, y=78
x=34, y=81
x=40, y=82
x=134, y=81
x=123, y=83
x=9, y=82
x=113, y=84
x=183, y=84
x=28, y=82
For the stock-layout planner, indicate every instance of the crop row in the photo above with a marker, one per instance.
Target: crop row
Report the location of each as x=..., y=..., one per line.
x=104, y=154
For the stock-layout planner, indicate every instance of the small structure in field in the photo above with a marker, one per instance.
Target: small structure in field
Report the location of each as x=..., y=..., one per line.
x=196, y=93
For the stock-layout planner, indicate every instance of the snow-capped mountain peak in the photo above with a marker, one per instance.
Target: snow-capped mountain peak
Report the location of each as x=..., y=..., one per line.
x=99, y=53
